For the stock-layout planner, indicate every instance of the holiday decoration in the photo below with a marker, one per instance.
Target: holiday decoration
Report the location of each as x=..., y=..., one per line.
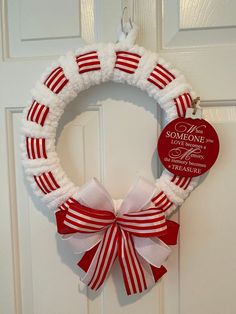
x=136, y=234
x=136, y=231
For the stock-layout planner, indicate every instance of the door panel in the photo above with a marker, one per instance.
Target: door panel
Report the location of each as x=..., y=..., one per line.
x=207, y=262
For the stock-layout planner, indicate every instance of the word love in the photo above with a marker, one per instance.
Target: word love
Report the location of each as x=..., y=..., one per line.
x=188, y=147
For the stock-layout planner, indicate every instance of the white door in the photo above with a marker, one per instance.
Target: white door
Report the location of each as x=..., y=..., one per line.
x=38, y=274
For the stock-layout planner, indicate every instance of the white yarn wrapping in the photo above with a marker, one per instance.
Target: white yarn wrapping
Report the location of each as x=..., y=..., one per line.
x=78, y=83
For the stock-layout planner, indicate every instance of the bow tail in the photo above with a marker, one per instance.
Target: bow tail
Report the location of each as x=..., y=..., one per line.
x=133, y=272
x=98, y=261
x=170, y=238
x=152, y=273
x=158, y=272
x=138, y=274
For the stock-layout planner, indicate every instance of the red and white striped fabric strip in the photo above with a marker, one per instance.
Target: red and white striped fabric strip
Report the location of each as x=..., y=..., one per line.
x=160, y=76
x=46, y=182
x=108, y=252
x=182, y=103
x=146, y=223
x=67, y=203
x=127, y=61
x=162, y=202
x=182, y=182
x=86, y=220
x=37, y=113
x=56, y=80
x=36, y=147
x=133, y=274
x=88, y=62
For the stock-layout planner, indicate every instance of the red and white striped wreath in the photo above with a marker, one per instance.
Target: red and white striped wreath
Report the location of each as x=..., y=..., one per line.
x=99, y=227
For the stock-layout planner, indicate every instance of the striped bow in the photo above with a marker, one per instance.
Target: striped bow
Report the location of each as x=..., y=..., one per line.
x=137, y=234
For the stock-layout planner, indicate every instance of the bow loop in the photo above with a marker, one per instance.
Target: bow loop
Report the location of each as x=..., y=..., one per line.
x=87, y=220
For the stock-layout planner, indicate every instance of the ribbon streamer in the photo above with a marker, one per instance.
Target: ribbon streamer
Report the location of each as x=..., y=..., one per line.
x=137, y=234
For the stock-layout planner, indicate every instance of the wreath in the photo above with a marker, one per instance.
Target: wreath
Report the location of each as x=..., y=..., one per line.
x=136, y=231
